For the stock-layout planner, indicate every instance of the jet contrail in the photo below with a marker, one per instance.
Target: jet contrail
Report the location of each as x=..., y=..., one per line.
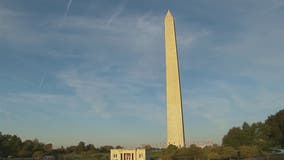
x=68, y=8
x=117, y=12
x=65, y=14
x=41, y=81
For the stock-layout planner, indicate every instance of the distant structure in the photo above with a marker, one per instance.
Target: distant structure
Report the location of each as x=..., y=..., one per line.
x=130, y=154
x=203, y=144
x=175, y=129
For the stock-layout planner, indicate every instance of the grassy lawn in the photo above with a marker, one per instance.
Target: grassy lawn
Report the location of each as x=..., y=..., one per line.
x=156, y=153
x=93, y=156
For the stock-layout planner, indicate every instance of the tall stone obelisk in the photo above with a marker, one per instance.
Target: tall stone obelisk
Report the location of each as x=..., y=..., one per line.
x=175, y=130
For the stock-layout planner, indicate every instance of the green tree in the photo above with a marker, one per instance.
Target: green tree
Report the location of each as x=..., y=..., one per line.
x=37, y=146
x=48, y=147
x=213, y=155
x=255, y=134
x=15, y=144
x=38, y=155
x=249, y=151
x=195, y=152
x=91, y=147
x=247, y=134
x=26, y=149
x=181, y=153
x=170, y=152
x=227, y=152
x=233, y=137
x=105, y=149
x=275, y=125
x=10, y=145
x=24, y=153
x=71, y=149
x=1, y=147
x=260, y=136
x=80, y=147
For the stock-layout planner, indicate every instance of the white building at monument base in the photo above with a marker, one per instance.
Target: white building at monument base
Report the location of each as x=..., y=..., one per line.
x=130, y=154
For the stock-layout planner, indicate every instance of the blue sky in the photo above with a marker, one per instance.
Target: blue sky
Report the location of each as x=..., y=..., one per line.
x=94, y=70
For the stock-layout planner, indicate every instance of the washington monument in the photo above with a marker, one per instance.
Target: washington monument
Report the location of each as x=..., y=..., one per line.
x=175, y=130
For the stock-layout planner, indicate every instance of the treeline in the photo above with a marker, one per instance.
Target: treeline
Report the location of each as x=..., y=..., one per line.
x=259, y=139
x=13, y=146
x=263, y=135
x=82, y=147
x=246, y=141
x=214, y=152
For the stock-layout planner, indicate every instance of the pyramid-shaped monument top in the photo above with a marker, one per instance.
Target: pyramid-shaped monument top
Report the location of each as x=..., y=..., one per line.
x=169, y=14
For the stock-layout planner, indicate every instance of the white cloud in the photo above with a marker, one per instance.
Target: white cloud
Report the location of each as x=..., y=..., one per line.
x=108, y=97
